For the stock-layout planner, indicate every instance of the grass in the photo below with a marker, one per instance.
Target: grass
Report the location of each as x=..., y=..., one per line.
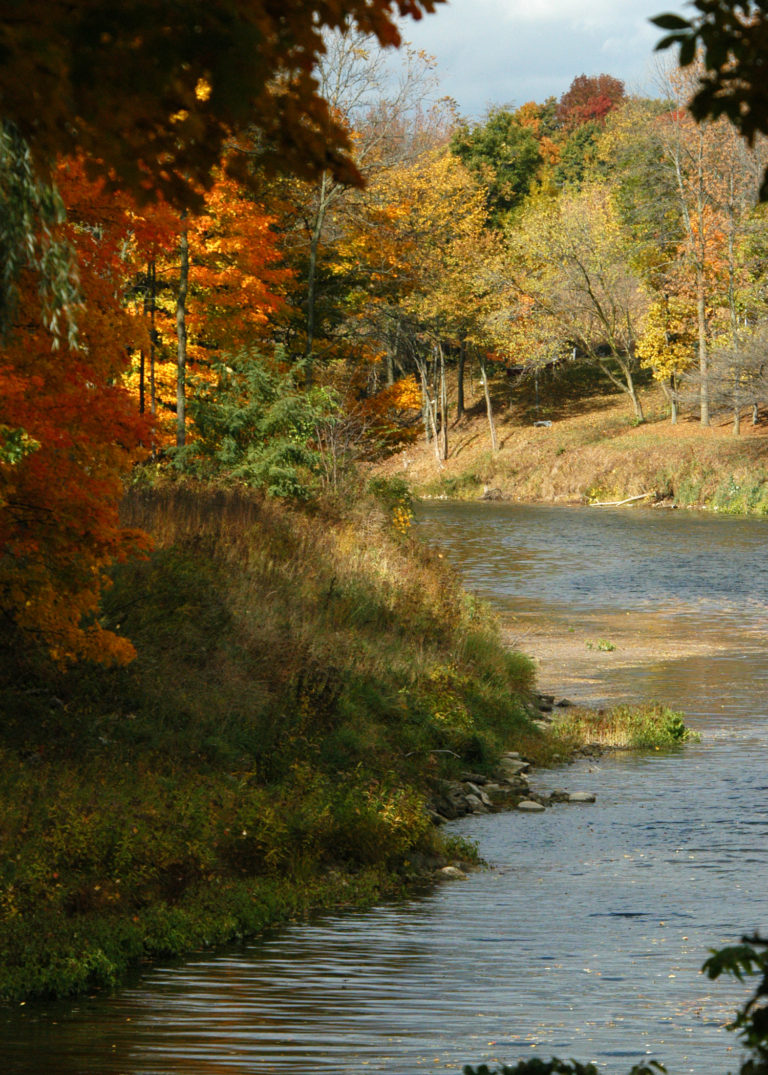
x=303, y=680
x=643, y=727
x=604, y=645
x=593, y=451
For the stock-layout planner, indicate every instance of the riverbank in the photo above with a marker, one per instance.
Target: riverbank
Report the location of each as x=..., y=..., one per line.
x=582, y=445
x=305, y=680
x=312, y=688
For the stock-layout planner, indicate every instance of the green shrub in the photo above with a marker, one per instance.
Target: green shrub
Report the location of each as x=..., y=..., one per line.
x=645, y=727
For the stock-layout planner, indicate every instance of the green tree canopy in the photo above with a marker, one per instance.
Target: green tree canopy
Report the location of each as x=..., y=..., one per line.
x=504, y=154
x=578, y=156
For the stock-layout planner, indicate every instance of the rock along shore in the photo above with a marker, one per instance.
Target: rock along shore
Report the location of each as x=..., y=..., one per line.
x=508, y=788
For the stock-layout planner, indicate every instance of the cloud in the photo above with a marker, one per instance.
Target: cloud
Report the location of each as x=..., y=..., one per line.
x=552, y=10
x=512, y=51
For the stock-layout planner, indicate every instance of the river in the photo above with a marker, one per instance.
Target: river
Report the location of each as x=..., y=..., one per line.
x=586, y=936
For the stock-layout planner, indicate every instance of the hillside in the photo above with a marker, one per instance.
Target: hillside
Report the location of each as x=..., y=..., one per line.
x=591, y=451
x=305, y=681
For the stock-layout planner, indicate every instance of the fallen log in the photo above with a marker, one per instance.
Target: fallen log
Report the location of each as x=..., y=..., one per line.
x=618, y=503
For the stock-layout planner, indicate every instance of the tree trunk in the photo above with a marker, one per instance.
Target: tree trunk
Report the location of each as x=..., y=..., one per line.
x=736, y=421
x=443, y=401
x=460, y=380
x=152, y=281
x=701, y=317
x=142, y=367
x=671, y=398
x=314, y=248
x=639, y=416
x=488, y=405
x=426, y=403
x=390, y=368
x=181, y=336
x=392, y=350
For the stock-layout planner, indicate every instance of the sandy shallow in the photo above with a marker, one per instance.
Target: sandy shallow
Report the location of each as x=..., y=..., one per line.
x=571, y=664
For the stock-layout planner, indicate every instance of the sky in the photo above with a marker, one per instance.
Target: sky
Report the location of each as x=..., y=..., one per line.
x=511, y=51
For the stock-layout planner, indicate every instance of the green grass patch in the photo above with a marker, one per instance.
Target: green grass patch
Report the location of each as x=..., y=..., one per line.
x=742, y=494
x=644, y=727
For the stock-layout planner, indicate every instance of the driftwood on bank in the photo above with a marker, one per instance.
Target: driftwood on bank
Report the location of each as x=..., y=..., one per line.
x=618, y=503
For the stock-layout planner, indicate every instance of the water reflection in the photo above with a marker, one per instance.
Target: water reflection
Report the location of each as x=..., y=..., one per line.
x=586, y=937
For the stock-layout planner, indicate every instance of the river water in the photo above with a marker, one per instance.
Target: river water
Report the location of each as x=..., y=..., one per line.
x=586, y=936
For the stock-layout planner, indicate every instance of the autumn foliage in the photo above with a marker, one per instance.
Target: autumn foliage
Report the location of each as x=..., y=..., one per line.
x=194, y=312
x=59, y=492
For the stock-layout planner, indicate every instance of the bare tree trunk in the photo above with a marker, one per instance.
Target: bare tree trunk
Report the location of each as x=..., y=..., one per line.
x=426, y=401
x=701, y=318
x=314, y=248
x=488, y=405
x=435, y=435
x=152, y=281
x=671, y=398
x=181, y=336
x=639, y=416
x=460, y=380
x=443, y=401
x=736, y=421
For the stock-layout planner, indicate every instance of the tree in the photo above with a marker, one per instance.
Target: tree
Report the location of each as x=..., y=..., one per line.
x=667, y=345
x=738, y=375
x=255, y=424
x=424, y=250
x=573, y=267
x=151, y=90
x=541, y=121
x=211, y=282
x=377, y=109
x=503, y=154
x=589, y=98
x=729, y=38
x=631, y=155
x=578, y=156
x=77, y=435
x=716, y=189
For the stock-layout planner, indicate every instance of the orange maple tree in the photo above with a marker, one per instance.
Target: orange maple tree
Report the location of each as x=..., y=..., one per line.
x=77, y=435
x=236, y=285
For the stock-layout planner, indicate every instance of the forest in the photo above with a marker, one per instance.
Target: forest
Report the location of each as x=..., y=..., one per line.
x=275, y=328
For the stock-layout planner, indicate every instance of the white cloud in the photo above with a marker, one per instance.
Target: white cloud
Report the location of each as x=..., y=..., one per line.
x=512, y=51
x=553, y=10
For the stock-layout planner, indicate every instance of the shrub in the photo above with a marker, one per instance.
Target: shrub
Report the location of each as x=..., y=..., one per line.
x=645, y=727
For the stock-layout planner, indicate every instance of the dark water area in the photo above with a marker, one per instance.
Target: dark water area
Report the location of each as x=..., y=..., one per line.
x=586, y=935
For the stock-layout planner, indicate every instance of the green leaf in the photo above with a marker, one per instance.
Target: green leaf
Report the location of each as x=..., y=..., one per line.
x=668, y=41
x=671, y=22
x=687, y=51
